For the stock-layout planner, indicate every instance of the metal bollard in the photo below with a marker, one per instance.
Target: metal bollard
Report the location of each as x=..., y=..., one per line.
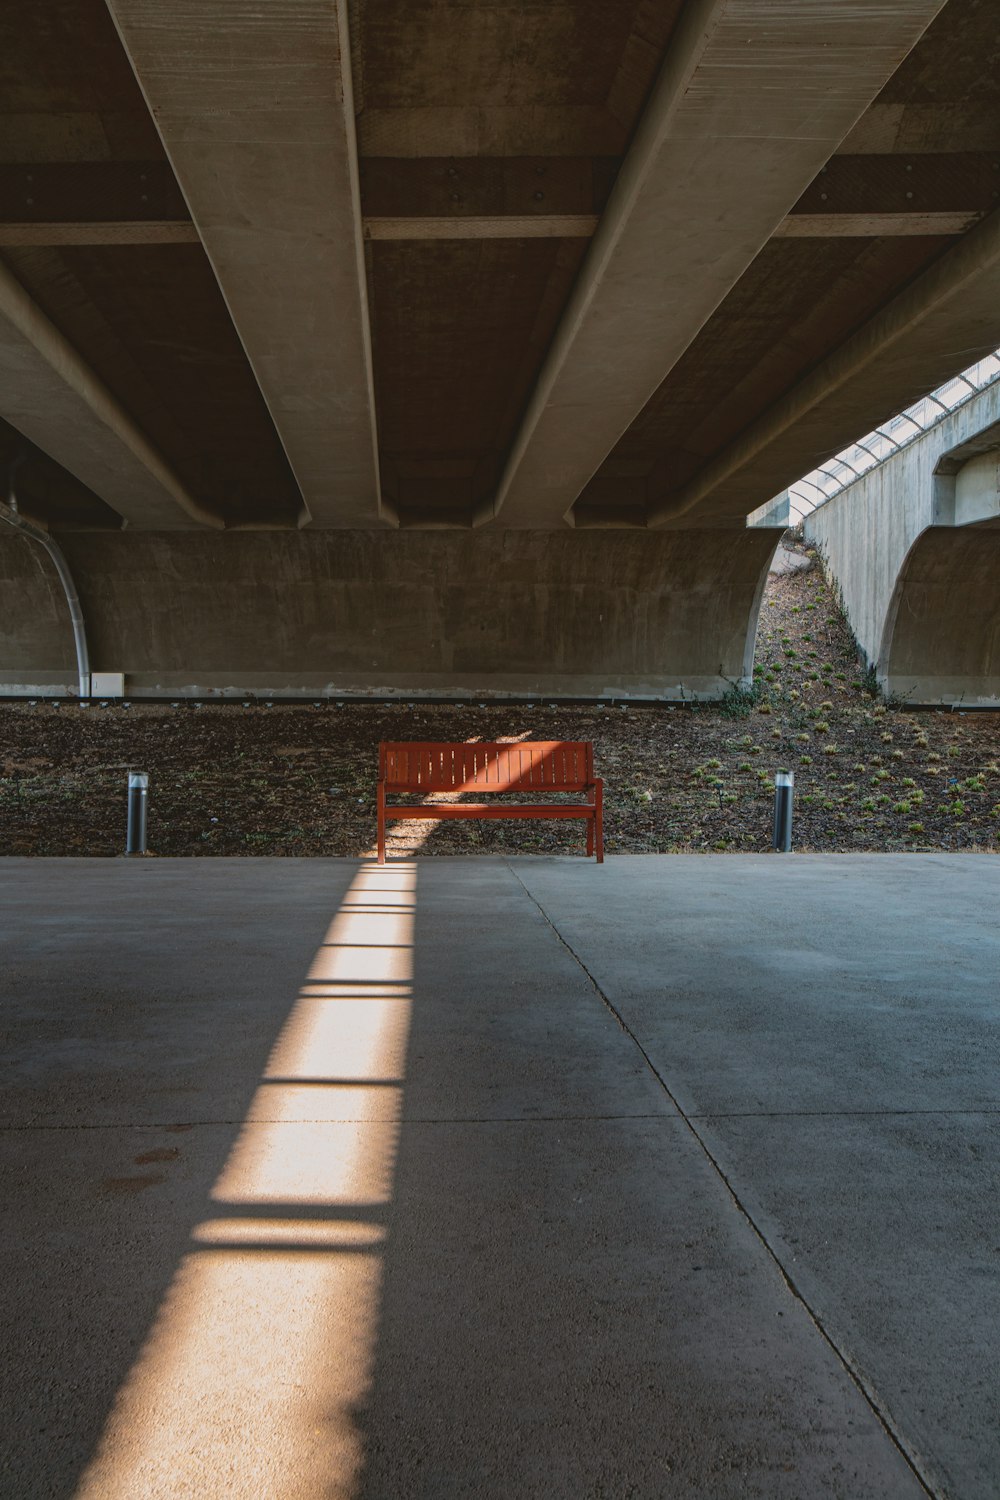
x=783, y=784
x=138, y=788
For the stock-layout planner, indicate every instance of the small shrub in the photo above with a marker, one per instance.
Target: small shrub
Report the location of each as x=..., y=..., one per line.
x=739, y=700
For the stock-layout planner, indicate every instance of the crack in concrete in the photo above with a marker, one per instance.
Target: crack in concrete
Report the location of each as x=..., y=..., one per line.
x=853, y=1373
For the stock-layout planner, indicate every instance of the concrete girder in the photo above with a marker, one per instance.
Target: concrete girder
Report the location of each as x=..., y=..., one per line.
x=747, y=108
x=50, y=395
x=942, y=322
x=255, y=111
x=913, y=547
x=460, y=614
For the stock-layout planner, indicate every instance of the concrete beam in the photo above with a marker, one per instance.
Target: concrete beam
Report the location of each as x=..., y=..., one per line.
x=101, y=232
x=475, y=227
x=254, y=107
x=50, y=395
x=749, y=105
x=942, y=322
x=875, y=226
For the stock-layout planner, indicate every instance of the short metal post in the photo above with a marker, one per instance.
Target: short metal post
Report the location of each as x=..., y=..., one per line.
x=138, y=790
x=783, y=784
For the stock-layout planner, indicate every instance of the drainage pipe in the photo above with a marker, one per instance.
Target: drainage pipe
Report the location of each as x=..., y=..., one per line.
x=11, y=515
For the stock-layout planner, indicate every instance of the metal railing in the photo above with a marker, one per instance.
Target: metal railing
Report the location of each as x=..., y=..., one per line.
x=822, y=483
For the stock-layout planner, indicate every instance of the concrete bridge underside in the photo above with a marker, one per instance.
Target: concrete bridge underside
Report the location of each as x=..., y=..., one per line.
x=348, y=344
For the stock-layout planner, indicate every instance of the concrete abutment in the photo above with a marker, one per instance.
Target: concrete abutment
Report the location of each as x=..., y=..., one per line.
x=581, y=614
x=913, y=548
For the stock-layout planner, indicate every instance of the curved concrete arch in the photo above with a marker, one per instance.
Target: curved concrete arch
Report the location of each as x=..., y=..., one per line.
x=941, y=637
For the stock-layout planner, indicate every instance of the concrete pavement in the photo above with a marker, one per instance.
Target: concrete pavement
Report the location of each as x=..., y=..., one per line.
x=471, y=1177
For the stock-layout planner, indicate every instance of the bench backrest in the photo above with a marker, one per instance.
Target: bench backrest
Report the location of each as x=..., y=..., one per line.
x=531, y=765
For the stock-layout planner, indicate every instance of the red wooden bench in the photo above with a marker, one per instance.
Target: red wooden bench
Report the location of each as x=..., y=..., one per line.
x=529, y=766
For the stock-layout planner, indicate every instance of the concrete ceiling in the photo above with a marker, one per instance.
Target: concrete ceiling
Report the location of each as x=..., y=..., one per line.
x=515, y=264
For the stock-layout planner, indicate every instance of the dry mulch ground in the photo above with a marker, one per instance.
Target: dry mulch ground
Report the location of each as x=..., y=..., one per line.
x=300, y=780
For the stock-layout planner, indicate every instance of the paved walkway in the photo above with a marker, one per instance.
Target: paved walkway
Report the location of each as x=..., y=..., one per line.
x=676, y=1177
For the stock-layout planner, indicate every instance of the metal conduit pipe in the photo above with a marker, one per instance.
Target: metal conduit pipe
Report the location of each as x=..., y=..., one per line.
x=9, y=512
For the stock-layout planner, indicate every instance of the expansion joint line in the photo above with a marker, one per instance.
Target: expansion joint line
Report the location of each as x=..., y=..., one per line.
x=853, y=1373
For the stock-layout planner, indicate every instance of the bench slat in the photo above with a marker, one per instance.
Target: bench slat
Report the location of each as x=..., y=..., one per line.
x=554, y=765
x=437, y=810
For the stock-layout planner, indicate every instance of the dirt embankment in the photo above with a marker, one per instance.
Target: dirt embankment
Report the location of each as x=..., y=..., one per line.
x=300, y=780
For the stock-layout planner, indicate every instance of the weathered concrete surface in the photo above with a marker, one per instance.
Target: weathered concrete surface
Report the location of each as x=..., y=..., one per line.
x=828, y=1024
x=913, y=549
x=589, y=615
x=736, y=128
x=935, y=327
x=51, y=396
x=255, y=111
x=324, y=1180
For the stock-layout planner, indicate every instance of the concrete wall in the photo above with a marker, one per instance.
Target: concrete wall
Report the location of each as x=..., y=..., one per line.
x=912, y=547
x=589, y=614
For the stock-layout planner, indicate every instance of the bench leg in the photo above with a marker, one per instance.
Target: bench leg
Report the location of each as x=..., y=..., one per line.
x=590, y=837
x=599, y=821
x=381, y=824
